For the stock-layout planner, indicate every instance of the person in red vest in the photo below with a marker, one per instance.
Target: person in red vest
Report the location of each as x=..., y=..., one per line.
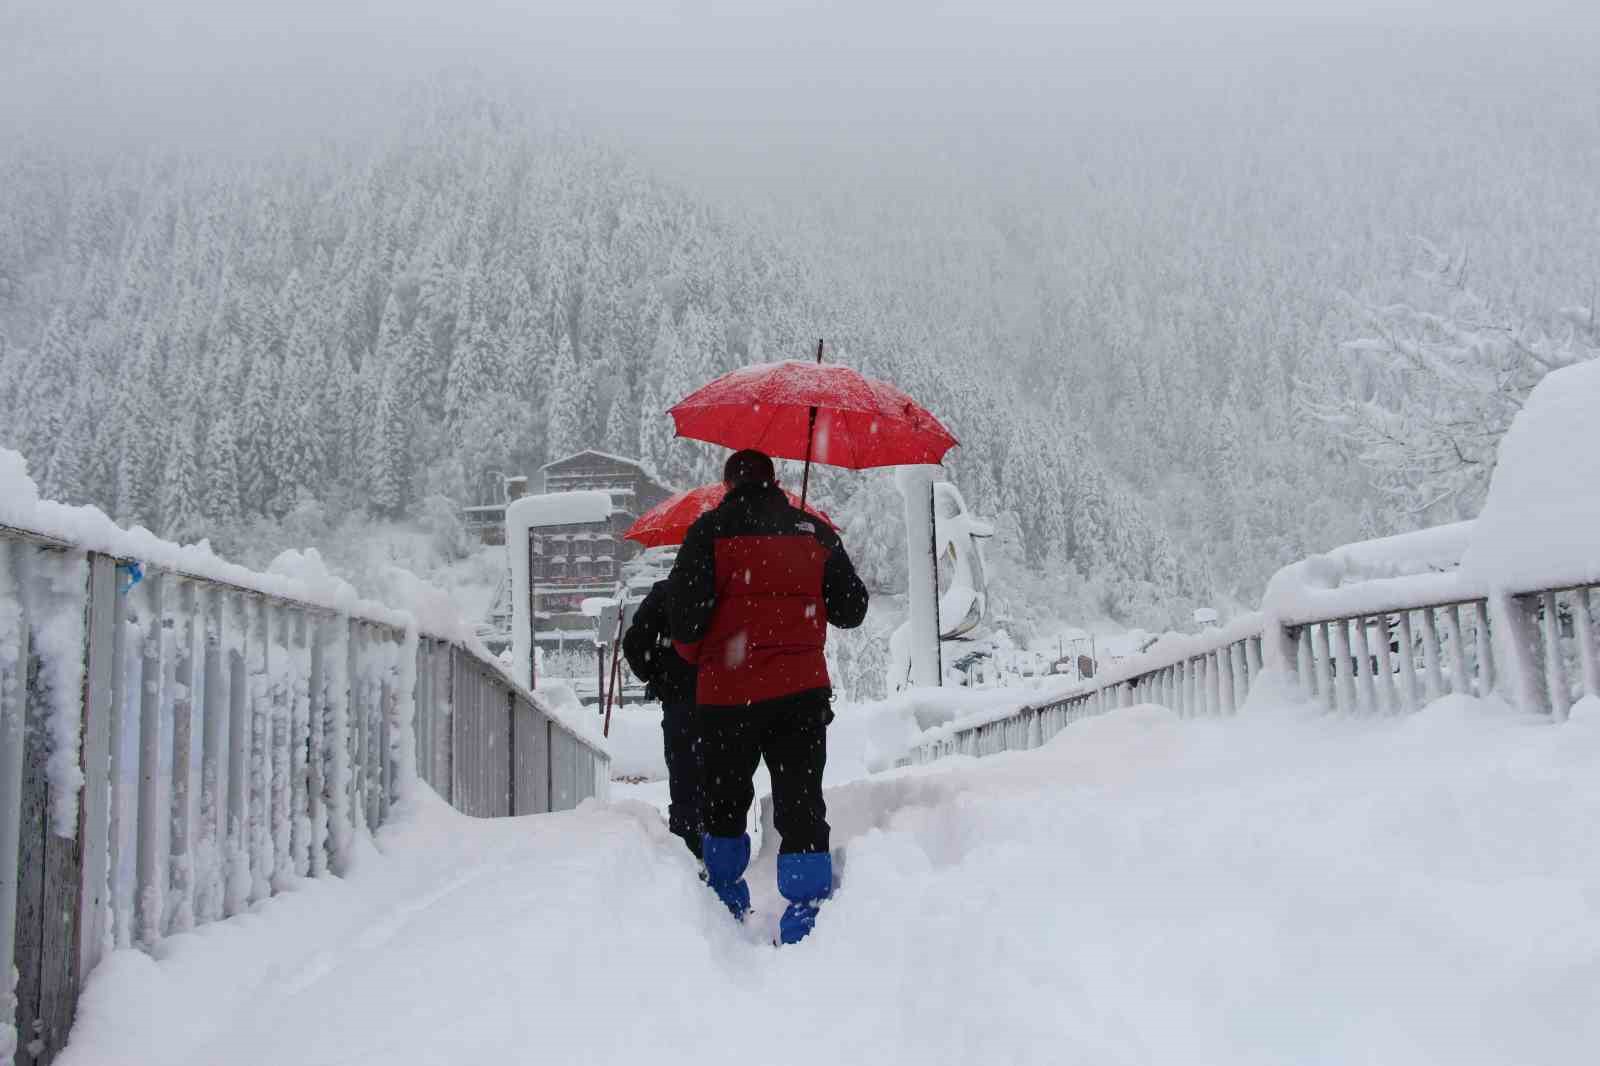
x=755, y=586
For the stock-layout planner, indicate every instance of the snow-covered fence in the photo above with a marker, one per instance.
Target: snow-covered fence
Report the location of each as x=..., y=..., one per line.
x=509, y=755
x=1504, y=603
x=1402, y=657
x=1208, y=674
x=1383, y=626
x=179, y=743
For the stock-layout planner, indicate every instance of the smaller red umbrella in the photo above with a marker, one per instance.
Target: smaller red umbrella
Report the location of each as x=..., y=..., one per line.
x=668, y=522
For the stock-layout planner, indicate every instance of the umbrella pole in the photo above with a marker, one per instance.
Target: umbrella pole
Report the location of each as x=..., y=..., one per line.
x=811, y=429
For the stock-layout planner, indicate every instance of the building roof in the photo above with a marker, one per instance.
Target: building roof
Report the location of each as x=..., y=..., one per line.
x=623, y=459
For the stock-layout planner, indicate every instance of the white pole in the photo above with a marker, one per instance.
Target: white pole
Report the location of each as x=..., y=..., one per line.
x=916, y=486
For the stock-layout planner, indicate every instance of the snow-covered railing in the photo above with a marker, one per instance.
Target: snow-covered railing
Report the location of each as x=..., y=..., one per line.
x=181, y=739
x=1382, y=626
x=1207, y=674
x=1504, y=603
x=1393, y=642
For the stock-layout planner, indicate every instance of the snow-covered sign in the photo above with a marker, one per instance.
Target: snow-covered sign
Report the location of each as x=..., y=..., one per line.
x=557, y=509
x=1205, y=616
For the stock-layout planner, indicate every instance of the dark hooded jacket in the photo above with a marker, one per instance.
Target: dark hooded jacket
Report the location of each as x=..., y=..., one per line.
x=648, y=648
x=756, y=584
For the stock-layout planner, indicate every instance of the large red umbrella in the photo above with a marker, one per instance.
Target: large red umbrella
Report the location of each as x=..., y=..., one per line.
x=668, y=522
x=798, y=410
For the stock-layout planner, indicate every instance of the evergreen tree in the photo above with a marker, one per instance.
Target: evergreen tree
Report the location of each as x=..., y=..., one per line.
x=622, y=425
x=389, y=459
x=475, y=372
x=568, y=401
x=655, y=430
x=63, y=478
x=180, y=489
x=297, y=446
x=257, y=418
x=220, y=498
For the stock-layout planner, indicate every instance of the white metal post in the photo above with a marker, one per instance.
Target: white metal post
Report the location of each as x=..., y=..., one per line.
x=916, y=487
x=13, y=713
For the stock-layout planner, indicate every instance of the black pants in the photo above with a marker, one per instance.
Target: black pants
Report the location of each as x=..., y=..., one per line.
x=681, y=740
x=792, y=735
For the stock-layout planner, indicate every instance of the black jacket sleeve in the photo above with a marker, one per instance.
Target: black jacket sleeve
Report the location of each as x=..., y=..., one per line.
x=844, y=594
x=640, y=644
x=694, y=583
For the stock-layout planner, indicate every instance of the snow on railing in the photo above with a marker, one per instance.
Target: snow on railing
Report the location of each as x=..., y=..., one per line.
x=1207, y=674
x=1384, y=645
x=1504, y=603
x=181, y=738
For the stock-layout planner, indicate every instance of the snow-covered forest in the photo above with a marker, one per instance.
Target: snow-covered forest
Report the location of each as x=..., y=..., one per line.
x=1183, y=340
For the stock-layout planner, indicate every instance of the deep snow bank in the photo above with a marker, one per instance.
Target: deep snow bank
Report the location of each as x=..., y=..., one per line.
x=1540, y=525
x=1275, y=887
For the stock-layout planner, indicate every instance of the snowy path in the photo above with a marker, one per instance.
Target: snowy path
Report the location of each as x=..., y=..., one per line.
x=1268, y=889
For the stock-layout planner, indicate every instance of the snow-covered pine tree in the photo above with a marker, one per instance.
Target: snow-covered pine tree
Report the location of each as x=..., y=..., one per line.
x=622, y=425
x=387, y=488
x=655, y=430
x=220, y=471
x=64, y=476
x=475, y=370
x=297, y=445
x=567, y=403
x=181, y=519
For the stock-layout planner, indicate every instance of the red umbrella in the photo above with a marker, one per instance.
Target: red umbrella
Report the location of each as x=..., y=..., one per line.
x=668, y=522
x=800, y=410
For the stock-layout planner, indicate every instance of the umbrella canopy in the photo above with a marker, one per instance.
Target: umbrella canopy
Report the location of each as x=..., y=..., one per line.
x=858, y=422
x=668, y=522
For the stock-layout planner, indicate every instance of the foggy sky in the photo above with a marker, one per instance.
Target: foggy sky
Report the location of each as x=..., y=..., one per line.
x=691, y=68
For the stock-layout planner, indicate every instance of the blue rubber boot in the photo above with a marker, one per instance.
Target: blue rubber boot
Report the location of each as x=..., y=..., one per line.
x=725, y=859
x=805, y=879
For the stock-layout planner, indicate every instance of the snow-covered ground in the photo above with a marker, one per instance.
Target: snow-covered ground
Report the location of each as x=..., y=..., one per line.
x=1278, y=887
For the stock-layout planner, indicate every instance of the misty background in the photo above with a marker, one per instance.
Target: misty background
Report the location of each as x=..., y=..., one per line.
x=1199, y=294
